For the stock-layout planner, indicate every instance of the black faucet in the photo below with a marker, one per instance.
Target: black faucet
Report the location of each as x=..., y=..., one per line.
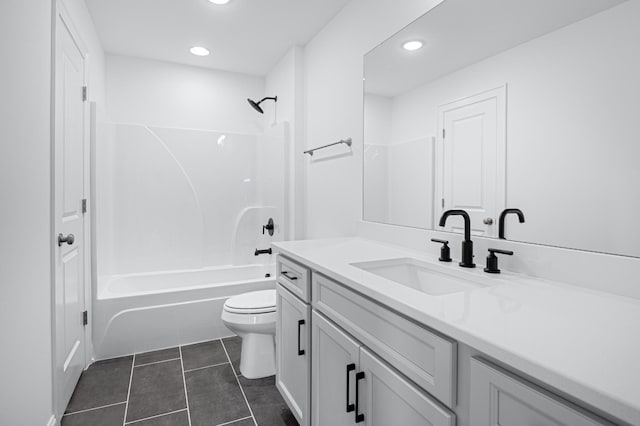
x=467, y=244
x=501, y=220
x=259, y=252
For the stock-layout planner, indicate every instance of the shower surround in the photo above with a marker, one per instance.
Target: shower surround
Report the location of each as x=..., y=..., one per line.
x=173, y=204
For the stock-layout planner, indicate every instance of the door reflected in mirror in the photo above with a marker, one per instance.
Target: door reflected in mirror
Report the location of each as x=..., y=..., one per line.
x=509, y=104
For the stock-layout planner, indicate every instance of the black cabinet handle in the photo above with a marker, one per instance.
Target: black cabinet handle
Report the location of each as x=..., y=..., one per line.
x=350, y=368
x=286, y=274
x=300, y=324
x=359, y=417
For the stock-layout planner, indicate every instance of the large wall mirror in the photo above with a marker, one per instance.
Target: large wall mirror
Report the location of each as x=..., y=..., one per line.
x=528, y=104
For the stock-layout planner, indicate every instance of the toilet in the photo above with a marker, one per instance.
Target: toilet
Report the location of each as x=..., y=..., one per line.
x=252, y=316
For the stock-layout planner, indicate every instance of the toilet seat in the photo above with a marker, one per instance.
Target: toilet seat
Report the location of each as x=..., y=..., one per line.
x=255, y=302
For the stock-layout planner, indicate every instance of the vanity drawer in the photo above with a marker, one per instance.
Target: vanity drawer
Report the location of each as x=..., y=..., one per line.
x=425, y=357
x=294, y=277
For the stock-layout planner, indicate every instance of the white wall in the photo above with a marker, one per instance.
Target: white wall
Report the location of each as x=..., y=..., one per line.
x=285, y=81
x=334, y=108
x=143, y=91
x=176, y=114
x=25, y=188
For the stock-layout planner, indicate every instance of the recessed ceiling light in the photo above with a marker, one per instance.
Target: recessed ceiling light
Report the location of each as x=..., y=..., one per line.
x=412, y=45
x=219, y=1
x=199, y=51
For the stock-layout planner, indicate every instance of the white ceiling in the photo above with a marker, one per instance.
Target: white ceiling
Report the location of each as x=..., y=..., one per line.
x=247, y=36
x=458, y=33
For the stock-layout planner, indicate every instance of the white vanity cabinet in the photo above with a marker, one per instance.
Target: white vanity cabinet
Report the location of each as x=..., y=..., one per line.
x=335, y=361
x=351, y=385
x=293, y=338
x=343, y=358
x=498, y=397
x=429, y=359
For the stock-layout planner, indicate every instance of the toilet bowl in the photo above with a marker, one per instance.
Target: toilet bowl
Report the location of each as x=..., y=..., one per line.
x=252, y=316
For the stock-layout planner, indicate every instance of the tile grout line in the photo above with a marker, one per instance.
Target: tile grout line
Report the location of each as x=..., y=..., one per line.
x=239, y=384
x=206, y=366
x=126, y=407
x=94, y=408
x=234, y=421
x=184, y=383
x=156, y=362
x=156, y=416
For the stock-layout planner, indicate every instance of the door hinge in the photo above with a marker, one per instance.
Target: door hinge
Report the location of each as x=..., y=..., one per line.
x=84, y=205
x=443, y=203
x=85, y=318
x=442, y=133
x=84, y=93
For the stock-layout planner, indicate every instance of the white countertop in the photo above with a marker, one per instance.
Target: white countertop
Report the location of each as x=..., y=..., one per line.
x=582, y=342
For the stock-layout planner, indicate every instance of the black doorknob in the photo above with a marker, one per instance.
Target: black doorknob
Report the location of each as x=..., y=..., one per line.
x=69, y=239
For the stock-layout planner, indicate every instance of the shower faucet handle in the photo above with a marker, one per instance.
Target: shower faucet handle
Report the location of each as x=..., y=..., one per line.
x=270, y=226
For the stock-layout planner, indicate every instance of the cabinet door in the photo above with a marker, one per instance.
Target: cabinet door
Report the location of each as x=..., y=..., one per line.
x=334, y=366
x=500, y=398
x=293, y=353
x=386, y=398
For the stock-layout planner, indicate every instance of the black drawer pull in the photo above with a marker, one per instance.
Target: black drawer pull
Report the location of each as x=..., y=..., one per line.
x=286, y=274
x=359, y=417
x=350, y=368
x=300, y=324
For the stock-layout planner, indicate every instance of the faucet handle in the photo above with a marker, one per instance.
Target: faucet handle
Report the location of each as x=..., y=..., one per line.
x=445, y=252
x=492, y=260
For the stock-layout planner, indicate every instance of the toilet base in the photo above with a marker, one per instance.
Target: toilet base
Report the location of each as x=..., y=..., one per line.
x=258, y=357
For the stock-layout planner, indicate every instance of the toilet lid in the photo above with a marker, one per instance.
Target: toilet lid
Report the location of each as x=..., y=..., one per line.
x=255, y=302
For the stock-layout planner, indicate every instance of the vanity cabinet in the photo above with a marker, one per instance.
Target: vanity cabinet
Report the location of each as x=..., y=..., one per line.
x=293, y=353
x=499, y=397
x=425, y=356
x=334, y=360
x=343, y=358
x=352, y=385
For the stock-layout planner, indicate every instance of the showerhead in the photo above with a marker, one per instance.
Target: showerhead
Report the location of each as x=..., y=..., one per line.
x=256, y=105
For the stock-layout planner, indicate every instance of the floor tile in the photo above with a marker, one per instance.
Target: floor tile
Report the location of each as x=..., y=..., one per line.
x=174, y=419
x=234, y=348
x=214, y=396
x=244, y=422
x=203, y=355
x=103, y=383
x=269, y=409
x=108, y=416
x=156, y=389
x=155, y=356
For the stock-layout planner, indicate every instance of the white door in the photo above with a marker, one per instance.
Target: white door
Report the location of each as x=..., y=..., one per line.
x=335, y=362
x=293, y=354
x=472, y=167
x=386, y=398
x=68, y=240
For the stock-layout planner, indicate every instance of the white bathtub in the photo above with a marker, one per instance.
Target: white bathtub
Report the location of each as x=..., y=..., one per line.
x=144, y=312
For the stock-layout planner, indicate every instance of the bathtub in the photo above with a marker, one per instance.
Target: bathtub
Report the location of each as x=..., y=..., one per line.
x=149, y=311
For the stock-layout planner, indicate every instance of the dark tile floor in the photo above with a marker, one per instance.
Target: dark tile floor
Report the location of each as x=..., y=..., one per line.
x=190, y=385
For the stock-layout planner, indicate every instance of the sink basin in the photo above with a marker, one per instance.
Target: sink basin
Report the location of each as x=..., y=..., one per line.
x=418, y=275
